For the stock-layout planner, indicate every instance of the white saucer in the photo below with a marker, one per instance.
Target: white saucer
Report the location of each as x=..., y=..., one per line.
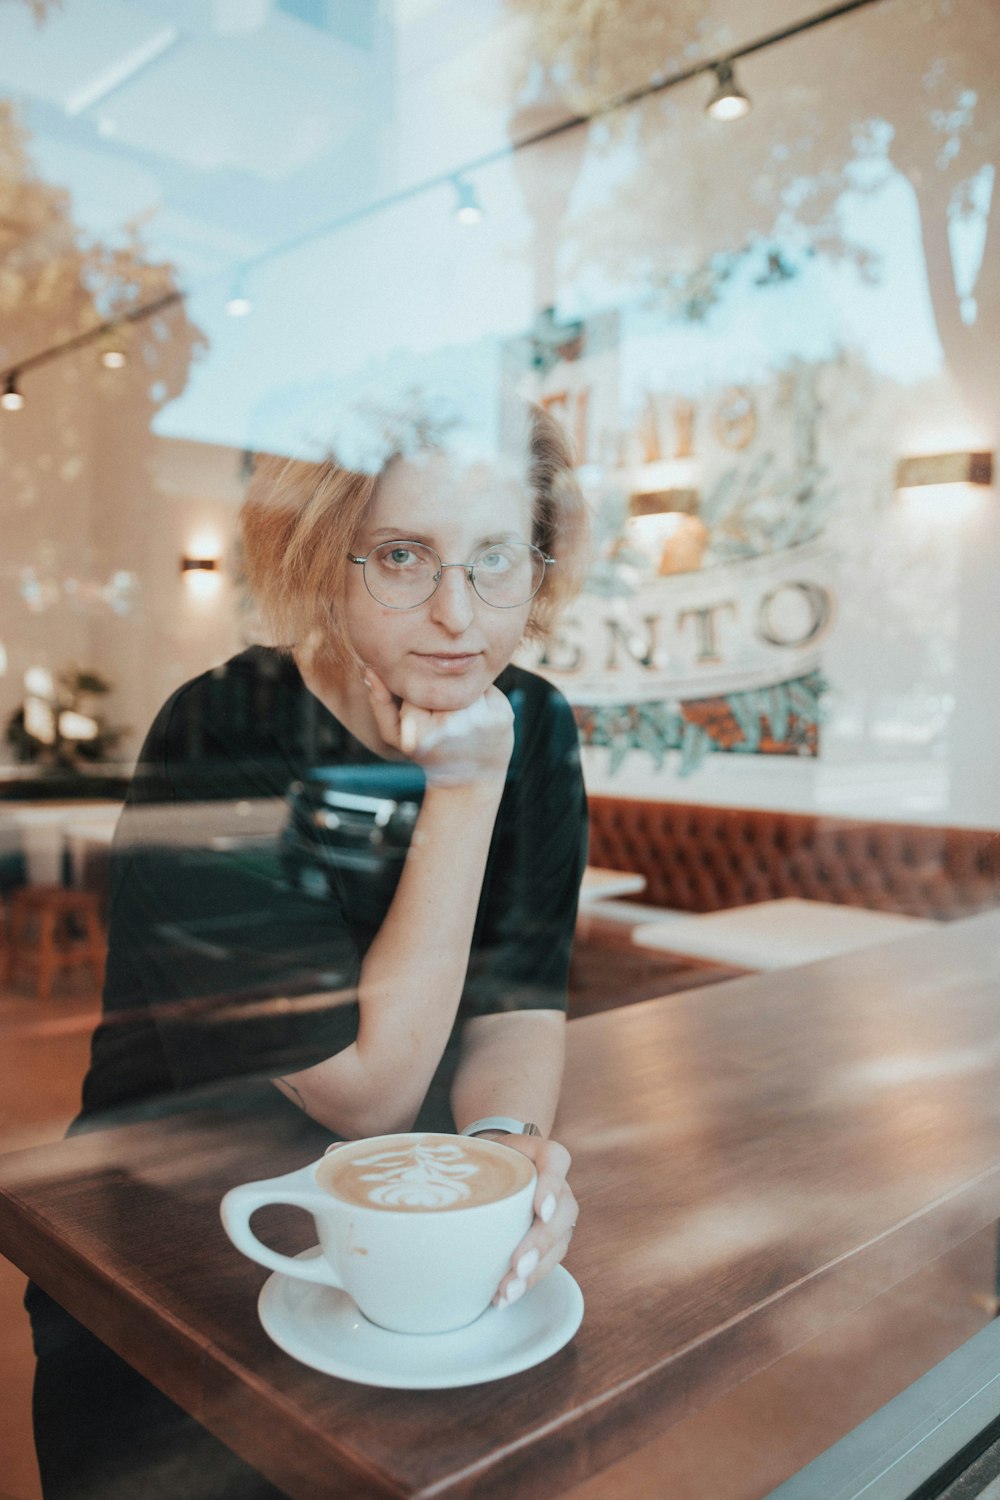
x=321, y=1327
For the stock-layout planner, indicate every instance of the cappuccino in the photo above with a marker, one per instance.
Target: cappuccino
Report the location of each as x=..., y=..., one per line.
x=423, y=1174
x=417, y=1264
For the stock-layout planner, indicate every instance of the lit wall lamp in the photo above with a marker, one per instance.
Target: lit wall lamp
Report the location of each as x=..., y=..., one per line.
x=943, y=484
x=202, y=575
x=944, y=468
x=664, y=523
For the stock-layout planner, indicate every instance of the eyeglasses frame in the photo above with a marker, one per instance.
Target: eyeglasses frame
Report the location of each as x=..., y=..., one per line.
x=468, y=569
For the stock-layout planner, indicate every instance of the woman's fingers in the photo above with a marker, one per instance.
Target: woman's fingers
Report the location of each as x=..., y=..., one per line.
x=400, y=724
x=542, y=1249
x=414, y=724
x=454, y=747
x=469, y=744
x=552, y=1163
x=556, y=1210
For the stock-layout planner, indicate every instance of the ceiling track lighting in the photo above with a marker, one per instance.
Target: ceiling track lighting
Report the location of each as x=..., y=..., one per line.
x=107, y=336
x=11, y=400
x=468, y=209
x=728, y=101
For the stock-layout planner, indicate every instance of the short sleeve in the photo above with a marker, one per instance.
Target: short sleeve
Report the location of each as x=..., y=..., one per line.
x=527, y=916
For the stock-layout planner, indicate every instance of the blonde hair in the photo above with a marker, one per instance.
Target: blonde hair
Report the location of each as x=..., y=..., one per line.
x=299, y=522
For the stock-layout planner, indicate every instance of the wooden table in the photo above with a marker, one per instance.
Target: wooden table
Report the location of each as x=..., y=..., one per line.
x=755, y=1161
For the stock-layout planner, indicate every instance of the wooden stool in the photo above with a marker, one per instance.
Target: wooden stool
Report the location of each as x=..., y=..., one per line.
x=53, y=928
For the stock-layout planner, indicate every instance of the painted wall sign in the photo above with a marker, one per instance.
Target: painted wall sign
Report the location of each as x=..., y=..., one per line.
x=725, y=659
x=704, y=619
x=727, y=629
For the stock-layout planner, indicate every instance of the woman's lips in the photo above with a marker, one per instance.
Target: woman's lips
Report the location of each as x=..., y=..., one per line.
x=449, y=661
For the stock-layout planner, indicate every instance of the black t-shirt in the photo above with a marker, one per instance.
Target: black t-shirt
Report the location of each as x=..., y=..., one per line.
x=243, y=897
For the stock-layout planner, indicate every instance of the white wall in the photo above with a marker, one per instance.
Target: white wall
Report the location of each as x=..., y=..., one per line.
x=183, y=501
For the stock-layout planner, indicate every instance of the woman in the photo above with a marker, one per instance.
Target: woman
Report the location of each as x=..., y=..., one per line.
x=438, y=1001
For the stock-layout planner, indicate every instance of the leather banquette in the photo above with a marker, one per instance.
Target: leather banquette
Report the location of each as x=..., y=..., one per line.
x=699, y=858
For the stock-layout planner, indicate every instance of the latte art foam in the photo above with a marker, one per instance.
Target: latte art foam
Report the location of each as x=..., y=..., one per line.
x=422, y=1174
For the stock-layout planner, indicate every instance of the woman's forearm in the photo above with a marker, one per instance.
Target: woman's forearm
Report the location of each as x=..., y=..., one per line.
x=510, y=1064
x=412, y=975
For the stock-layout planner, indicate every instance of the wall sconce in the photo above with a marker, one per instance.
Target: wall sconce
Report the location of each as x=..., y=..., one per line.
x=202, y=575
x=944, y=468
x=664, y=524
x=663, y=502
x=944, y=485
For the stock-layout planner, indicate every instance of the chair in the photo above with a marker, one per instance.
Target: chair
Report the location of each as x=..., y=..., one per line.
x=51, y=928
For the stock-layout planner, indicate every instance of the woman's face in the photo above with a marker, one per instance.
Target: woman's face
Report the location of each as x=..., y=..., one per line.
x=443, y=654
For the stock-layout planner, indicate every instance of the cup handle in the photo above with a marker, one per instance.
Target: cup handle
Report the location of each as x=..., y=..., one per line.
x=241, y=1202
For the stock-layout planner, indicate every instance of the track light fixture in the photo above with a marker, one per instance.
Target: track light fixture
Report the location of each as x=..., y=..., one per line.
x=728, y=102
x=108, y=338
x=113, y=355
x=468, y=209
x=11, y=400
x=238, y=304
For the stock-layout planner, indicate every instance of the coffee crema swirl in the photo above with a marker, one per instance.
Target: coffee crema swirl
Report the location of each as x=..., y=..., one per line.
x=426, y=1174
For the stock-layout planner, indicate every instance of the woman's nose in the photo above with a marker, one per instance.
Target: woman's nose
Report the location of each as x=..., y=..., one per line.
x=451, y=603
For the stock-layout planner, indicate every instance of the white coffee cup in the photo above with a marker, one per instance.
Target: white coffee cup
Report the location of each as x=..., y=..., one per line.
x=418, y=1228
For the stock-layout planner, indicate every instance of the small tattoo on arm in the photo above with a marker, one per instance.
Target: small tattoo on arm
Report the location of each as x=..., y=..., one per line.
x=290, y=1091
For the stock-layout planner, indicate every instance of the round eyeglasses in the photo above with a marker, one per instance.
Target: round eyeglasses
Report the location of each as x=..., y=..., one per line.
x=403, y=575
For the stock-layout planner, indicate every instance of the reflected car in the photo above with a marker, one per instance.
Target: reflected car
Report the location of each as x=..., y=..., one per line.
x=355, y=820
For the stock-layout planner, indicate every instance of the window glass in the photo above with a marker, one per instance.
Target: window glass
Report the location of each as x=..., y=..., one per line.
x=450, y=452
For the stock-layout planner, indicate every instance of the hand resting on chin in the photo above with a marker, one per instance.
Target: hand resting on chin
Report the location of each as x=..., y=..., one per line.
x=460, y=747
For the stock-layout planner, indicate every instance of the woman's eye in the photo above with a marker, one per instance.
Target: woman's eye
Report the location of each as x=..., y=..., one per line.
x=494, y=562
x=399, y=557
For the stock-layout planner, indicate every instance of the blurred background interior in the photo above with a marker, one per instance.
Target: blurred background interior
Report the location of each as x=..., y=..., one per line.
x=747, y=253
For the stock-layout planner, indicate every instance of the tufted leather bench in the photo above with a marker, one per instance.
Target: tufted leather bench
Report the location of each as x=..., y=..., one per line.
x=699, y=859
